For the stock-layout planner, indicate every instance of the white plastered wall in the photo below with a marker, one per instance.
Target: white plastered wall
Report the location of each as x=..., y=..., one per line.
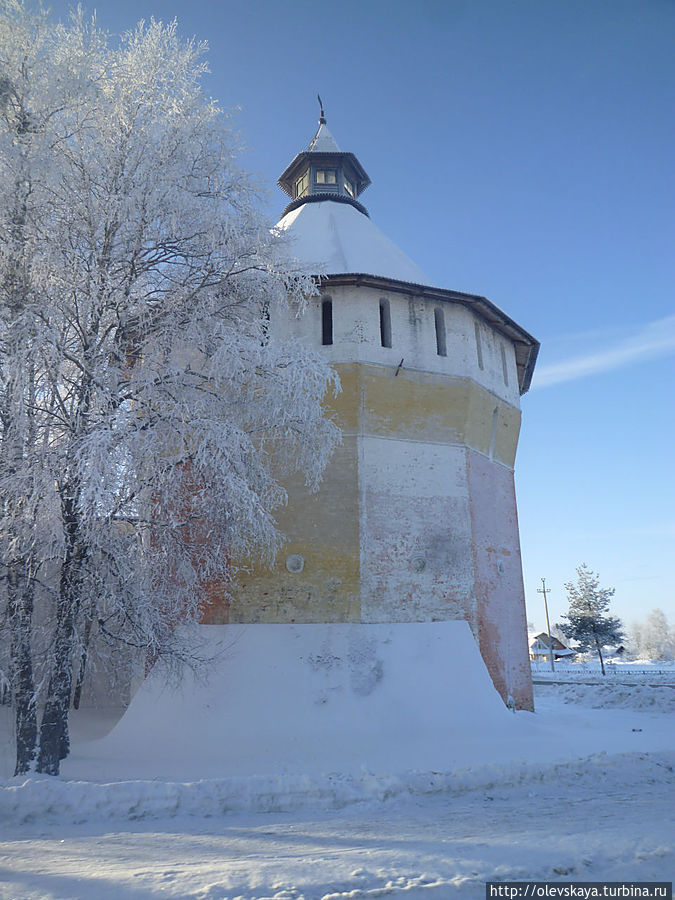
x=415, y=534
x=356, y=336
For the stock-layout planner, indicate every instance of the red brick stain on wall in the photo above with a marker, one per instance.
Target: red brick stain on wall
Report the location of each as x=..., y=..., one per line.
x=194, y=531
x=500, y=600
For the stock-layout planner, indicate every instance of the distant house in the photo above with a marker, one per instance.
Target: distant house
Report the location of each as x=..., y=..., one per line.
x=540, y=648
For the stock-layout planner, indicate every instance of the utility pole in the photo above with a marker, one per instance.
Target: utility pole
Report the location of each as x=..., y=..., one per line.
x=543, y=590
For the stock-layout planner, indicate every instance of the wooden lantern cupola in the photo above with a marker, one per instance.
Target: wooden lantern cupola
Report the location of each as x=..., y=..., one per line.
x=324, y=172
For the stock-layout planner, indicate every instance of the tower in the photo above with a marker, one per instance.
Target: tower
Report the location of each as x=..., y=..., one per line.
x=416, y=517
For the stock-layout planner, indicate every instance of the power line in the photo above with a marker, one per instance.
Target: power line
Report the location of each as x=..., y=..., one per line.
x=544, y=590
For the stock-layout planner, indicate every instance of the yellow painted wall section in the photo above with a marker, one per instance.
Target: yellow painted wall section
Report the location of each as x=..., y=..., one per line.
x=323, y=528
x=425, y=407
x=506, y=438
x=347, y=404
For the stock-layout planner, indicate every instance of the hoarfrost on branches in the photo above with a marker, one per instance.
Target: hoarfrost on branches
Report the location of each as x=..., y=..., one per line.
x=653, y=638
x=147, y=404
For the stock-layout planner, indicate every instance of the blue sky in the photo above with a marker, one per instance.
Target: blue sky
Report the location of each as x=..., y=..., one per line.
x=519, y=149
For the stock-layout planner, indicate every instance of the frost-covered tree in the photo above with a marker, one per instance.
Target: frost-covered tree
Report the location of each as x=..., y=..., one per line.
x=588, y=623
x=148, y=407
x=557, y=632
x=24, y=152
x=653, y=638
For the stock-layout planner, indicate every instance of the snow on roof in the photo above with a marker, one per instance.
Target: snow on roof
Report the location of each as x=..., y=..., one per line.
x=323, y=141
x=337, y=239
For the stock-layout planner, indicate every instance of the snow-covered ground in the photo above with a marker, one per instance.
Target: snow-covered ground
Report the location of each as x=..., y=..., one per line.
x=608, y=819
x=639, y=671
x=639, y=697
x=573, y=792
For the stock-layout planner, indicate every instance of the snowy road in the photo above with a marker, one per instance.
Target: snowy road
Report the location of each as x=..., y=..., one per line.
x=613, y=823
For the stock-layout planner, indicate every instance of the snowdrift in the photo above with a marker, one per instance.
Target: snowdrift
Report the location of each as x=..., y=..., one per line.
x=638, y=697
x=346, y=698
x=42, y=799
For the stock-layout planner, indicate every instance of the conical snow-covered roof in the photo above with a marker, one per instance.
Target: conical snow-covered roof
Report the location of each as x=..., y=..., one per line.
x=334, y=238
x=330, y=229
x=323, y=141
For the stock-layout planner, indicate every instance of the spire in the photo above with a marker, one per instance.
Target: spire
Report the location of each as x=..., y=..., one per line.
x=324, y=172
x=323, y=141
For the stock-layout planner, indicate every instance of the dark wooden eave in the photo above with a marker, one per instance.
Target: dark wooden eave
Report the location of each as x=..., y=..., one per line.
x=319, y=198
x=526, y=346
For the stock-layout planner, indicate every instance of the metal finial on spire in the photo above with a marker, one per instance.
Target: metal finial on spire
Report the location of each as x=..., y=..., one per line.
x=322, y=118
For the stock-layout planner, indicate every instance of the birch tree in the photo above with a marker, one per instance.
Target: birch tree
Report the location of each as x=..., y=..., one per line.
x=148, y=408
x=24, y=157
x=653, y=638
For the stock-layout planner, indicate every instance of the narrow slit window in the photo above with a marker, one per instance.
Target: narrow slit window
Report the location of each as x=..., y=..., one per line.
x=326, y=322
x=385, y=323
x=505, y=370
x=479, y=348
x=439, y=321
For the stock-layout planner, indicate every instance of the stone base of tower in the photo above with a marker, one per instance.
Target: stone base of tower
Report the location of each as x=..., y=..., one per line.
x=314, y=699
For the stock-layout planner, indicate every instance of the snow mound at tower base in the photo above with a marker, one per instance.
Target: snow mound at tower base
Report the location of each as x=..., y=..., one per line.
x=311, y=699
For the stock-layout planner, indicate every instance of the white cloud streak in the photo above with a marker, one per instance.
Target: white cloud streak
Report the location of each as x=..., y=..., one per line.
x=653, y=340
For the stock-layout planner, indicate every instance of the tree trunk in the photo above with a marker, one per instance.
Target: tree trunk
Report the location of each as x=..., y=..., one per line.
x=599, y=648
x=23, y=686
x=77, y=695
x=16, y=435
x=54, y=736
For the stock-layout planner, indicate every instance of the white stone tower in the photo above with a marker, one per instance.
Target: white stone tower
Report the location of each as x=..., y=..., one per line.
x=416, y=518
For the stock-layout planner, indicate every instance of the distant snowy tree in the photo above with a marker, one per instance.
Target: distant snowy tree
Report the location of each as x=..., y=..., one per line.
x=653, y=638
x=588, y=623
x=148, y=408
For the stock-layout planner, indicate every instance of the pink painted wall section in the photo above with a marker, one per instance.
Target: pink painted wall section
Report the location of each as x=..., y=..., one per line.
x=500, y=598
